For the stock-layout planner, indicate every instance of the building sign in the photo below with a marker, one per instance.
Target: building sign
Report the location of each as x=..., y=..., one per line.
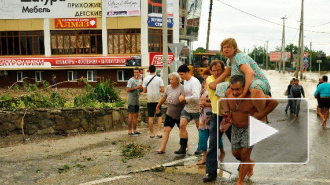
x=156, y=59
x=30, y=9
x=76, y=23
x=194, y=10
x=123, y=8
x=158, y=22
x=276, y=56
x=57, y=62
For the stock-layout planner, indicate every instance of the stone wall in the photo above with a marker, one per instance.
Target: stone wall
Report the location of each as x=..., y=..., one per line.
x=65, y=121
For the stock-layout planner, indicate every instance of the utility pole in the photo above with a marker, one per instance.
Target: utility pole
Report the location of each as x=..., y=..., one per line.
x=310, y=59
x=165, y=48
x=254, y=53
x=302, y=39
x=209, y=26
x=283, y=45
x=267, y=55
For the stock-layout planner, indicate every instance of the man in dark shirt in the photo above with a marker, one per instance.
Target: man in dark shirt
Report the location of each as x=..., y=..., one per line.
x=289, y=105
x=296, y=91
x=53, y=83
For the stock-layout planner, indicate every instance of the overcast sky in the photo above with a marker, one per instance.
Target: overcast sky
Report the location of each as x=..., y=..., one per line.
x=250, y=31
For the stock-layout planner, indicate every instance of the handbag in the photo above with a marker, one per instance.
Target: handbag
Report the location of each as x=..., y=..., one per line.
x=226, y=122
x=285, y=92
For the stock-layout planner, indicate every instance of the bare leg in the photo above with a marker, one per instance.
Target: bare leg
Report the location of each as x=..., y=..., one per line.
x=135, y=121
x=201, y=162
x=166, y=135
x=183, y=128
x=222, y=154
x=325, y=114
x=130, y=122
x=159, y=125
x=245, y=169
x=151, y=125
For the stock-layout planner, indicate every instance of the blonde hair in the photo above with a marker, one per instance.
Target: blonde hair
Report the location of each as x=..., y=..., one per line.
x=231, y=42
x=176, y=75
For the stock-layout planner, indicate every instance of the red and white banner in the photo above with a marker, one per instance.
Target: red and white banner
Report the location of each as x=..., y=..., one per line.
x=76, y=23
x=57, y=62
x=156, y=59
x=276, y=56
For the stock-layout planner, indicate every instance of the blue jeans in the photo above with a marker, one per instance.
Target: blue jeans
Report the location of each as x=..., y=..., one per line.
x=289, y=105
x=296, y=105
x=211, y=158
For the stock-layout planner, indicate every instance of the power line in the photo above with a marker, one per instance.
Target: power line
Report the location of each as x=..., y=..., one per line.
x=263, y=19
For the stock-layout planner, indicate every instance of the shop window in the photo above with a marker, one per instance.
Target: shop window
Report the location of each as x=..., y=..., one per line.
x=124, y=41
x=19, y=76
x=76, y=42
x=123, y=75
x=22, y=43
x=72, y=75
x=92, y=76
x=39, y=76
x=155, y=39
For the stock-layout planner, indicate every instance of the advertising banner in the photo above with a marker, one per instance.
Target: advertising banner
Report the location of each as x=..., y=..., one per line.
x=156, y=59
x=76, y=23
x=57, y=62
x=276, y=56
x=123, y=8
x=31, y=9
x=194, y=10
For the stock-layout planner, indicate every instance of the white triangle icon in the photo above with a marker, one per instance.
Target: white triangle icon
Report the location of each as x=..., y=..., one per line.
x=259, y=131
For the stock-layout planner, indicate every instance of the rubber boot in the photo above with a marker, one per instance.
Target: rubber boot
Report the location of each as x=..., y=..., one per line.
x=183, y=146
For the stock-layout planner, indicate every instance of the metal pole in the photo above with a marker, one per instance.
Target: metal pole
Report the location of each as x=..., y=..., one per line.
x=209, y=26
x=267, y=55
x=283, y=45
x=165, y=48
x=302, y=39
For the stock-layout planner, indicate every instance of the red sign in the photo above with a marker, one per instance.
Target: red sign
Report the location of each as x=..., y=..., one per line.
x=276, y=56
x=54, y=62
x=76, y=23
x=156, y=59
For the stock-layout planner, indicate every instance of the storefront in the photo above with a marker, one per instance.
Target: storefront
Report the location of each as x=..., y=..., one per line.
x=74, y=39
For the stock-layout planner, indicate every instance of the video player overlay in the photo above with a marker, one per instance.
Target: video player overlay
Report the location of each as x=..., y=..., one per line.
x=281, y=137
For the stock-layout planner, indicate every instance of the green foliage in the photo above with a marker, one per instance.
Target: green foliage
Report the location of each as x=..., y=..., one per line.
x=104, y=95
x=132, y=150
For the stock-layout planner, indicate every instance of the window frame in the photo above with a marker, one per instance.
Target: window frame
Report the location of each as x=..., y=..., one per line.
x=122, y=79
x=42, y=77
x=94, y=76
x=73, y=76
x=21, y=75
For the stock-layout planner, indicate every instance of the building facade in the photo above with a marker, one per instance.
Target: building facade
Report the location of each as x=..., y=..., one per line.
x=73, y=39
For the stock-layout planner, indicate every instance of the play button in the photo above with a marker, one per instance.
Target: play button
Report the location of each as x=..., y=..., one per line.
x=259, y=131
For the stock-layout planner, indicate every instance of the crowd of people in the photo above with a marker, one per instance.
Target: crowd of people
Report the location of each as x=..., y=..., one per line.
x=243, y=90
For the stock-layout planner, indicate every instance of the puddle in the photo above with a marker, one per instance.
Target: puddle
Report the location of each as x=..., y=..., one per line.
x=194, y=169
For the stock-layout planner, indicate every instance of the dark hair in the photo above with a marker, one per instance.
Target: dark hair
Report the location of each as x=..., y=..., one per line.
x=183, y=68
x=325, y=78
x=136, y=68
x=152, y=69
x=237, y=78
x=53, y=75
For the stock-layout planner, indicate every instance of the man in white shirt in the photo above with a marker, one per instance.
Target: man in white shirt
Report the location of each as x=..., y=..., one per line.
x=192, y=89
x=153, y=85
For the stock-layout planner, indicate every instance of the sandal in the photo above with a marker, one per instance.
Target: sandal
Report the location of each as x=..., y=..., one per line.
x=159, y=136
x=152, y=136
x=160, y=152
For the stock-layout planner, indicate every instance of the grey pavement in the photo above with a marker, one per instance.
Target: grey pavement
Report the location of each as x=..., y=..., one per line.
x=96, y=159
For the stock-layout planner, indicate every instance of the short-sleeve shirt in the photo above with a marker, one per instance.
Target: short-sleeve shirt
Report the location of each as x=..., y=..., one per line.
x=192, y=90
x=174, y=106
x=260, y=81
x=133, y=96
x=153, y=89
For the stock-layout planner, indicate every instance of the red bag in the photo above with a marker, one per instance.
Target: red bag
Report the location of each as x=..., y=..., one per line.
x=226, y=123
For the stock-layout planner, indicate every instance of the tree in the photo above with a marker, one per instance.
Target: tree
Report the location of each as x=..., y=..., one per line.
x=200, y=50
